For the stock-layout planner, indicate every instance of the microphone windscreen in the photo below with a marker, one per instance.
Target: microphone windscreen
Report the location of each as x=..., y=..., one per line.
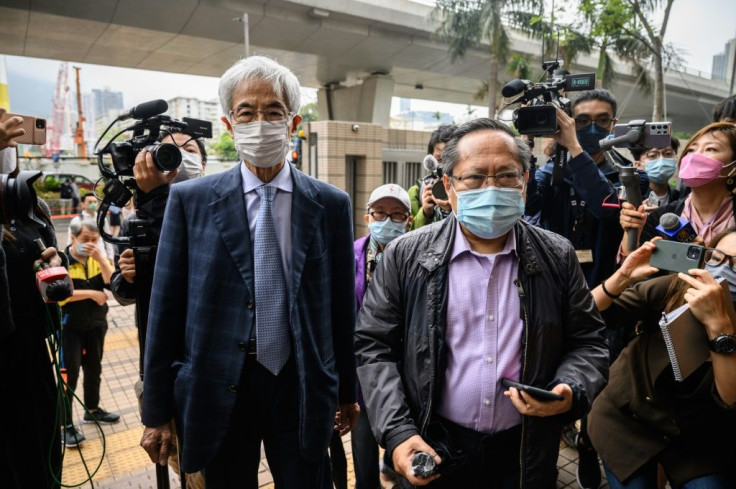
x=514, y=87
x=430, y=163
x=149, y=109
x=669, y=221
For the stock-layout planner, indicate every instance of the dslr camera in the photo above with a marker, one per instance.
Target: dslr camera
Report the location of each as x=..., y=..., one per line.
x=434, y=178
x=146, y=131
x=538, y=116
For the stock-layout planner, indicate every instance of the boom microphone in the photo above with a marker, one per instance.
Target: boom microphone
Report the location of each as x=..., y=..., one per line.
x=145, y=110
x=675, y=228
x=514, y=87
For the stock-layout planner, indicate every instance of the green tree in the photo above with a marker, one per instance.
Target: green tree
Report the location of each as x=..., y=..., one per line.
x=437, y=115
x=224, y=147
x=630, y=29
x=309, y=112
x=467, y=23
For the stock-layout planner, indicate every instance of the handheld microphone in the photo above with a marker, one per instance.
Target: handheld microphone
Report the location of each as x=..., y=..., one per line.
x=54, y=283
x=430, y=163
x=514, y=87
x=675, y=228
x=145, y=110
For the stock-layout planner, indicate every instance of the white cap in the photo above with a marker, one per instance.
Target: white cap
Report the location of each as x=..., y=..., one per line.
x=393, y=191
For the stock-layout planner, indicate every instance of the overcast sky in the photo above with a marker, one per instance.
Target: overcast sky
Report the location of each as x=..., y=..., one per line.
x=700, y=28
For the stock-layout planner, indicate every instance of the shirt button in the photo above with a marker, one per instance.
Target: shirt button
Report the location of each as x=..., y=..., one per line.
x=490, y=317
x=233, y=389
x=489, y=360
x=487, y=402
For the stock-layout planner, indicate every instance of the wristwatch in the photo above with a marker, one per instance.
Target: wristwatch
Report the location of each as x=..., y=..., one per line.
x=723, y=343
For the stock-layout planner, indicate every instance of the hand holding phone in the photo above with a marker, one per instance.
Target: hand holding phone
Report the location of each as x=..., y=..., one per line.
x=10, y=128
x=676, y=256
x=535, y=392
x=32, y=129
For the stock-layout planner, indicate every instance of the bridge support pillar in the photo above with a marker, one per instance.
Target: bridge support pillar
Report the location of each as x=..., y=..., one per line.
x=368, y=102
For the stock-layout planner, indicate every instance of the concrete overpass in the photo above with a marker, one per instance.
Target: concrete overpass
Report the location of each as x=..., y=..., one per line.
x=379, y=48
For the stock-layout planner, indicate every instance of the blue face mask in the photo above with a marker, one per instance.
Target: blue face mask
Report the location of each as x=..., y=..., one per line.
x=589, y=137
x=661, y=169
x=723, y=270
x=80, y=249
x=490, y=212
x=386, y=231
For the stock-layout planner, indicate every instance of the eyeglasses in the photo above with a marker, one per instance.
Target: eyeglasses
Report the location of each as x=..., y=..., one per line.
x=653, y=154
x=397, y=217
x=583, y=121
x=507, y=179
x=244, y=115
x=715, y=257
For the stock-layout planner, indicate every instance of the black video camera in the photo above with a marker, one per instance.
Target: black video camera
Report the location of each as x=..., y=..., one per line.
x=539, y=116
x=146, y=132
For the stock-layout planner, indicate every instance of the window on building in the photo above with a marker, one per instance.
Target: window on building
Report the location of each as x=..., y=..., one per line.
x=412, y=173
x=390, y=173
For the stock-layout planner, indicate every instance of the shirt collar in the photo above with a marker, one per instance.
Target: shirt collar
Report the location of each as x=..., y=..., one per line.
x=461, y=244
x=282, y=181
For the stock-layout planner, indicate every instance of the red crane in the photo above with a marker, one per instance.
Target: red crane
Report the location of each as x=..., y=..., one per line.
x=56, y=127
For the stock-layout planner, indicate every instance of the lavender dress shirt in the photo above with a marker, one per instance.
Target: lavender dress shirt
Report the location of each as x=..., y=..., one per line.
x=483, y=337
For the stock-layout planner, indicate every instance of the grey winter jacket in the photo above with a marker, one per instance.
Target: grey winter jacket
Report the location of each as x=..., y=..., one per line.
x=402, y=353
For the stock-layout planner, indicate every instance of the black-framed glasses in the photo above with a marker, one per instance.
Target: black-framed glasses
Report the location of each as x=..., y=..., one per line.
x=244, y=115
x=474, y=181
x=715, y=257
x=653, y=154
x=397, y=217
x=583, y=121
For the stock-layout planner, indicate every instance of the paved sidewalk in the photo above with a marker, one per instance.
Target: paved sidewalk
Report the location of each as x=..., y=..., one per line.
x=125, y=465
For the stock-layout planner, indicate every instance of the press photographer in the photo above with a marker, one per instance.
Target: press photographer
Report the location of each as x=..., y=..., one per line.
x=168, y=152
x=426, y=207
x=583, y=206
x=31, y=456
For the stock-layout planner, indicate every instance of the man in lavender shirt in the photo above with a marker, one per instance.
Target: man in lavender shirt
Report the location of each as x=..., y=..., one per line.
x=459, y=305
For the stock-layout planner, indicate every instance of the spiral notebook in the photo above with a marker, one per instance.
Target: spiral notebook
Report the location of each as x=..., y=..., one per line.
x=686, y=339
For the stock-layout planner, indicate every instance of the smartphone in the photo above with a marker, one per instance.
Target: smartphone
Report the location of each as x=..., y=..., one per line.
x=676, y=256
x=656, y=135
x=535, y=392
x=34, y=127
x=438, y=190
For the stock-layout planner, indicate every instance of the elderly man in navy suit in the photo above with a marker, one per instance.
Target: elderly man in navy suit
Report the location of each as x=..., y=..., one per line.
x=250, y=332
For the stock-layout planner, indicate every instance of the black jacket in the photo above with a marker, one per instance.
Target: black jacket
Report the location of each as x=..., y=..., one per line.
x=400, y=337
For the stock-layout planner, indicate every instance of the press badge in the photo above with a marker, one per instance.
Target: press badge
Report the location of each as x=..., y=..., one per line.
x=584, y=256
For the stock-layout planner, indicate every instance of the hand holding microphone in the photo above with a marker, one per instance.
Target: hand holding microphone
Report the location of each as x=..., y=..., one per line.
x=52, y=279
x=676, y=228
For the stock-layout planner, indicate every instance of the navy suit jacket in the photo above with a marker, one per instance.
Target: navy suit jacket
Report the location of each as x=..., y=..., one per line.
x=202, y=311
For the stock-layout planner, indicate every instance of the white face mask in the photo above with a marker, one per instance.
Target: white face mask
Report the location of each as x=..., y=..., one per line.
x=191, y=167
x=261, y=143
x=7, y=160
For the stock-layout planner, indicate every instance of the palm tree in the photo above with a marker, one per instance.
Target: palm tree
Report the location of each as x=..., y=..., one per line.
x=467, y=23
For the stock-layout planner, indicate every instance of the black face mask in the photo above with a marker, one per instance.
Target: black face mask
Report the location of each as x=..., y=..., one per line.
x=590, y=136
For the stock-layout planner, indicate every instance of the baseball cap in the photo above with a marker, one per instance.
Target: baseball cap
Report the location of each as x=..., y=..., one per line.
x=393, y=191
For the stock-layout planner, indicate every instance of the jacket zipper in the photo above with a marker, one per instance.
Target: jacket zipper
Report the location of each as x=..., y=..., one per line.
x=522, y=297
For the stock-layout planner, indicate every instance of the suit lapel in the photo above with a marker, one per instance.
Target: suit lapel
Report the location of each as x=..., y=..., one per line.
x=306, y=213
x=231, y=218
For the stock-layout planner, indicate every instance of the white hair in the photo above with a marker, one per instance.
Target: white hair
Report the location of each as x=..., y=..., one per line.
x=283, y=81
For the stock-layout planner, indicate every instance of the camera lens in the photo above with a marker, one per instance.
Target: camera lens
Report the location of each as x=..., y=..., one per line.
x=693, y=252
x=40, y=123
x=167, y=157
